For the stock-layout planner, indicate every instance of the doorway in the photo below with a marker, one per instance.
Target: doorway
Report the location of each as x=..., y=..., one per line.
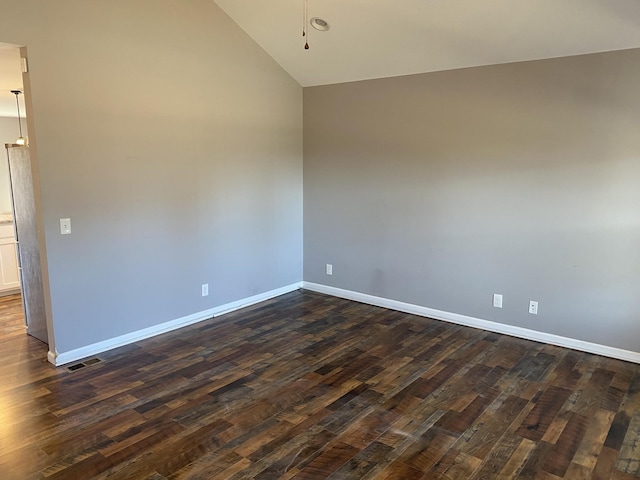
x=11, y=319
x=20, y=269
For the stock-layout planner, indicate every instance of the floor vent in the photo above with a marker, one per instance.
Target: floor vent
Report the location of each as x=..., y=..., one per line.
x=84, y=363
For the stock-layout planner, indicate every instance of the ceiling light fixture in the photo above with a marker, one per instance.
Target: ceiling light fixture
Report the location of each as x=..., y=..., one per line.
x=316, y=22
x=21, y=140
x=319, y=24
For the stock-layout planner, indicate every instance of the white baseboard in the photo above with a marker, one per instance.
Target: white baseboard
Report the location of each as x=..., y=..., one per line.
x=10, y=291
x=520, y=332
x=62, y=358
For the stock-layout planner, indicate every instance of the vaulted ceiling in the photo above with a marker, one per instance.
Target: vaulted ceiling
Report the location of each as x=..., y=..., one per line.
x=383, y=38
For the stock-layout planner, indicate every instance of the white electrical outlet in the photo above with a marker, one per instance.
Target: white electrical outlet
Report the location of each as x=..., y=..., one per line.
x=497, y=300
x=329, y=269
x=533, y=307
x=205, y=289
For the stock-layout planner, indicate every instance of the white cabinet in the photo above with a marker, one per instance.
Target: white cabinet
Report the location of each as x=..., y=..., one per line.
x=9, y=272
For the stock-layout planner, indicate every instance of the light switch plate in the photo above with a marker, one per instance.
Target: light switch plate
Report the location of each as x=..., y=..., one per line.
x=65, y=226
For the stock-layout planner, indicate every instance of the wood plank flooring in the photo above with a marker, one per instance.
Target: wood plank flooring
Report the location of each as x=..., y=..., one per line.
x=308, y=386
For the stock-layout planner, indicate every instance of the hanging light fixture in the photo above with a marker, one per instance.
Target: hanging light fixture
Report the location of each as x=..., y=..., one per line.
x=21, y=140
x=305, y=8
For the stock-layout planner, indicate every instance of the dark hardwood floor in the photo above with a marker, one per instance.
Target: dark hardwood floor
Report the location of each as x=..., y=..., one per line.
x=307, y=386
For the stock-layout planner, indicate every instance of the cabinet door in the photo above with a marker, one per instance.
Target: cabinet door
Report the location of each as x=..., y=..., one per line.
x=9, y=275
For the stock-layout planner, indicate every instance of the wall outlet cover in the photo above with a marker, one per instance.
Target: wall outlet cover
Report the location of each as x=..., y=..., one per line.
x=497, y=300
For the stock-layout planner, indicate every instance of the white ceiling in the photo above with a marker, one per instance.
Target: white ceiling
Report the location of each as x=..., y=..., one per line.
x=10, y=79
x=383, y=38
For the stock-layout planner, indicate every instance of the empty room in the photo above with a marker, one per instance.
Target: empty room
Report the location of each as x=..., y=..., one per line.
x=318, y=239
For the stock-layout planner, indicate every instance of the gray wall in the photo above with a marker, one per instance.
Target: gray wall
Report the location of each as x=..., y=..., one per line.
x=523, y=179
x=174, y=144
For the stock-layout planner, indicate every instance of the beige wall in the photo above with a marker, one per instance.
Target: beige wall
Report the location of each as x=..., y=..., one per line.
x=521, y=179
x=174, y=144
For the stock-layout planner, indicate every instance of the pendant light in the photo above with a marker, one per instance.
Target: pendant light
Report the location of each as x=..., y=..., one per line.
x=305, y=9
x=21, y=140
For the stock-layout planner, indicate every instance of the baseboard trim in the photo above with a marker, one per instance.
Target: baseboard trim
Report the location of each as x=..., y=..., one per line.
x=10, y=291
x=62, y=358
x=458, y=319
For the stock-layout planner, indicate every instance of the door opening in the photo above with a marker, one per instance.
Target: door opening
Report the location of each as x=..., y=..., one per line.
x=11, y=318
x=20, y=268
